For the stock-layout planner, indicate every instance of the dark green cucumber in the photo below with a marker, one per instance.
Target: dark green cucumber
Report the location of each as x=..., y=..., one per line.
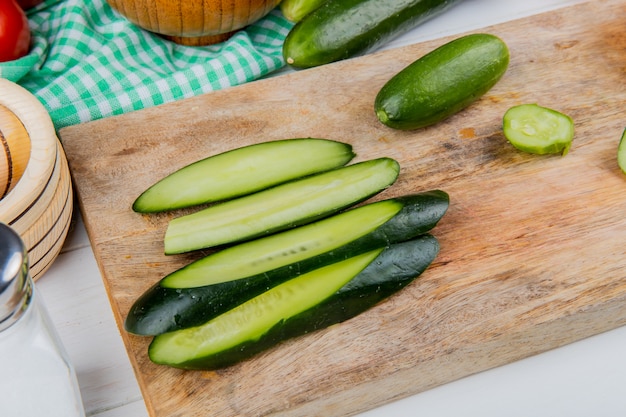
x=242, y=171
x=281, y=207
x=442, y=82
x=238, y=273
x=295, y=10
x=309, y=302
x=341, y=29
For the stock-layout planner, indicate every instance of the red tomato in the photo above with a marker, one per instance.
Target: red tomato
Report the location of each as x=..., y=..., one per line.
x=14, y=31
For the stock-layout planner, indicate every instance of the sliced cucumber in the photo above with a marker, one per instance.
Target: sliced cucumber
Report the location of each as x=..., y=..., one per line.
x=232, y=276
x=372, y=225
x=540, y=130
x=621, y=152
x=310, y=302
x=281, y=207
x=242, y=171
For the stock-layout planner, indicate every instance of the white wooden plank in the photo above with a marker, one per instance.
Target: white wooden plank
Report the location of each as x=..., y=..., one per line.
x=74, y=294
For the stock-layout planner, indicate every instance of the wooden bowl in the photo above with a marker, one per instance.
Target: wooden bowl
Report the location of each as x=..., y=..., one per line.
x=14, y=152
x=194, y=22
x=39, y=205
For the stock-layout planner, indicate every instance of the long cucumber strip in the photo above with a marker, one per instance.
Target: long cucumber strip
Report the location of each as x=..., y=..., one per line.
x=393, y=269
x=256, y=317
x=235, y=274
x=242, y=171
x=274, y=251
x=369, y=226
x=281, y=207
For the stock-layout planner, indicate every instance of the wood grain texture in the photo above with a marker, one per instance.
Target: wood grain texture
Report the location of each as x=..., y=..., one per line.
x=193, y=18
x=14, y=150
x=532, y=247
x=40, y=205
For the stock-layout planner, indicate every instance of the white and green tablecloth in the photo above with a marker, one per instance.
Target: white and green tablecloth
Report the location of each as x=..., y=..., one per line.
x=88, y=62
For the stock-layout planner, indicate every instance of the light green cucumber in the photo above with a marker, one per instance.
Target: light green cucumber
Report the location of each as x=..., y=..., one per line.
x=536, y=129
x=281, y=207
x=224, y=279
x=242, y=171
x=309, y=302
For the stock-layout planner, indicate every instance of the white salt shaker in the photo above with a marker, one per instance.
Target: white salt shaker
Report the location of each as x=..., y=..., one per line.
x=36, y=377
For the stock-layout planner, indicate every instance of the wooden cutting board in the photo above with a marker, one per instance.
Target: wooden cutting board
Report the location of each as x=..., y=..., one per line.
x=532, y=248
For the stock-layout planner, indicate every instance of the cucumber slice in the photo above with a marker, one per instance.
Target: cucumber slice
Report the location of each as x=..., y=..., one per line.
x=535, y=129
x=238, y=273
x=242, y=171
x=621, y=152
x=281, y=207
x=312, y=301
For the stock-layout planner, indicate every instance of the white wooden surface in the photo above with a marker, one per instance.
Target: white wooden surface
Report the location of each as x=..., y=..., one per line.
x=587, y=378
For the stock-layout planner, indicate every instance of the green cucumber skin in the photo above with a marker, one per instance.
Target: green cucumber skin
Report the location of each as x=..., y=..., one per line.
x=442, y=82
x=253, y=168
x=342, y=29
x=160, y=309
x=396, y=267
x=295, y=10
x=175, y=230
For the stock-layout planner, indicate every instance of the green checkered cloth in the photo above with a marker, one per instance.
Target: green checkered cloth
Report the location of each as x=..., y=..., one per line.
x=88, y=62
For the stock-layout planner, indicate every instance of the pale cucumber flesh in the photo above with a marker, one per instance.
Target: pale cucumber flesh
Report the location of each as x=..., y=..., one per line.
x=242, y=171
x=281, y=207
x=275, y=251
x=540, y=130
x=225, y=340
x=224, y=279
x=252, y=319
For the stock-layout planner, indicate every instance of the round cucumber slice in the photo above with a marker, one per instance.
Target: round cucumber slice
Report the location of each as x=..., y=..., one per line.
x=535, y=129
x=621, y=152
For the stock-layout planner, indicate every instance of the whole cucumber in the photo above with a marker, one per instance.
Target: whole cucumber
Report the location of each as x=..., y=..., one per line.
x=295, y=10
x=442, y=82
x=341, y=29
